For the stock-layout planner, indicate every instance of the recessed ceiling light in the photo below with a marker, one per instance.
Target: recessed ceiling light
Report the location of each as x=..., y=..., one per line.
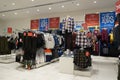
x=62, y=6
x=95, y=2
x=38, y=10
x=15, y=13
x=13, y=4
x=50, y=8
x=32, y=0
x=3, y=14
x=97, y=12
x=77, y=4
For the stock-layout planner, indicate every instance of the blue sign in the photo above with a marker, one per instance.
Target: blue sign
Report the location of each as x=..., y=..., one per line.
x=78, y=25
x=107, y=19
x=44, y=24
x=61, y=25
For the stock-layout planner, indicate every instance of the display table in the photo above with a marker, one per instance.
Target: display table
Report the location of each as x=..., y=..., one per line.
x=66, y=65
x=87, y=72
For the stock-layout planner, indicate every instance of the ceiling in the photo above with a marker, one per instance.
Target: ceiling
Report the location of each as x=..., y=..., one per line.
x=11, y=9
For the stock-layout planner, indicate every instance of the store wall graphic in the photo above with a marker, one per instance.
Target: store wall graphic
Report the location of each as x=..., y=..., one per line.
x=84, y=25
x=44, y=24
x=9, y=30
x=92, y=19
x=54, y=22
x=34, y=24
x=78, y=25
x=117, y=6
x=61, y=25
x=107, y=19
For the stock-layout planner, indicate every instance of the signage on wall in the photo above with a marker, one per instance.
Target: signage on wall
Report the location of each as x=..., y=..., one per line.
x=117, y=6
x=9, y=30
x=44, y=24
x=107, y=19
x=92, y=19
x=61, y=25
x=54, y=22
x=78, y=25
x=34, y=24
x=84, y=25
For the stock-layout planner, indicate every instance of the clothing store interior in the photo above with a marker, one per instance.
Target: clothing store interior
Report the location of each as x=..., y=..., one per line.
x=59, y=39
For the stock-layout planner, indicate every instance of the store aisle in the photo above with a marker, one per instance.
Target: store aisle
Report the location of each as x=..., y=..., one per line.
x=102, y=71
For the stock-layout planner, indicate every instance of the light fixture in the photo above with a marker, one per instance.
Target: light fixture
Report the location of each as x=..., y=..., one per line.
x=38, y=10
x=15, y=13
x=3, y=14
x=77, y=4
x=95, y=2
x=32, y=0
x=13, y=4
x=62, y=6
x=50, y=8
x=97, y=12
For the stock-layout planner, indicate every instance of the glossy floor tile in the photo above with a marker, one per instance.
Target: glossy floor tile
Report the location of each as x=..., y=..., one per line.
x=101, y=71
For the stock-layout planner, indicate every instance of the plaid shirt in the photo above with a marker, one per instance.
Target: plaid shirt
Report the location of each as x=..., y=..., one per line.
x=68, y=24
x=81, y=39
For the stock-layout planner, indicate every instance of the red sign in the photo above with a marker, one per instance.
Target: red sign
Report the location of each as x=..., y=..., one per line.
x=117, y=6
x=54, y=22
x=84, y=25
x=9, y=30
x=34, y=24
x=92, y=19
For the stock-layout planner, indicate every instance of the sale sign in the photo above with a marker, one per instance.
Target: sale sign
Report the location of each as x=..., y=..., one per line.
x=107, y=19
x=78, y=25
x=54, y=22
x=92, y=19
x=9, y=30
x=34, y=24
x=84, y=25
x=44, y=24
x=117, y=6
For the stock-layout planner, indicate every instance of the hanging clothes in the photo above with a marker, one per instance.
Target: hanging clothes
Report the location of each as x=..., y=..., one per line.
x=49, y=41
x=104, y=35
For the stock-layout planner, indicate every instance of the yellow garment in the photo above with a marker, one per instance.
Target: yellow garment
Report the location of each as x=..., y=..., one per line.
x=111, y=37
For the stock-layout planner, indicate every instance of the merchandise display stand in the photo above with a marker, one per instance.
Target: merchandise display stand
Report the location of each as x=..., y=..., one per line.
x=66, y=65
x=6, y=59
x=46, y=63
x=86, y=72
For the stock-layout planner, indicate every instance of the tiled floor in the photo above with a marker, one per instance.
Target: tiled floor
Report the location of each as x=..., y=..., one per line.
x=102, y=71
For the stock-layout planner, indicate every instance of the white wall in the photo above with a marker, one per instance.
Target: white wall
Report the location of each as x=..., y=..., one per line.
x=2, y=26
x=25, y=23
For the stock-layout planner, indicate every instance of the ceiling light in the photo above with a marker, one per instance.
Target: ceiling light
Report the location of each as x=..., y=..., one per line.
x=97, y=12
x=13, y=4
x=32, y=0
x=38, y=10
x=62, y=6
x=50, y=8
x=77, y=4
x=3, y=14
x=95, y=2
x=15, y=13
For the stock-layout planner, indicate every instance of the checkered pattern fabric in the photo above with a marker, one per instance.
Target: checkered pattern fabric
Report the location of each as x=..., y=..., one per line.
x=81, y=39
x=68, y=24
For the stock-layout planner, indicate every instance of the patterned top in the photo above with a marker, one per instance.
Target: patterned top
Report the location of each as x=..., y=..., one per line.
x=68, y=24
x=82, y=40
